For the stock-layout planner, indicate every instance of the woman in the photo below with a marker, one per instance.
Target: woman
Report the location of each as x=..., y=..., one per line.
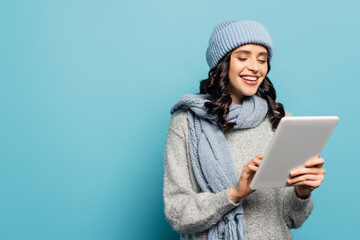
x=215, y=144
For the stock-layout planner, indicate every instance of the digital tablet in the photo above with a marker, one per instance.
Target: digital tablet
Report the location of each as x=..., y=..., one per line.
x=296, y=140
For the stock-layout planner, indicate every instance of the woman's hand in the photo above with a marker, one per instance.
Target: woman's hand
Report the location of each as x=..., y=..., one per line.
x=242, y=188
x=308, y=178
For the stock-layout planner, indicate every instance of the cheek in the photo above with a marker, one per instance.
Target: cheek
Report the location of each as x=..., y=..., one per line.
x=235, y=69
x=264, y=70
x=233, y=77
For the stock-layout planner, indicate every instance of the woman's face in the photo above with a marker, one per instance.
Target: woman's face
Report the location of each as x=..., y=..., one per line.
x=248, y=68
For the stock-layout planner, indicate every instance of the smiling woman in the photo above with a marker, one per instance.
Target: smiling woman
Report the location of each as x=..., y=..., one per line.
x=212, y=136
x=248, y=68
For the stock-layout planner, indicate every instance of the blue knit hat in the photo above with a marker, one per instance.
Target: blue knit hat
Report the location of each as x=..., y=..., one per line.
x=230, y=34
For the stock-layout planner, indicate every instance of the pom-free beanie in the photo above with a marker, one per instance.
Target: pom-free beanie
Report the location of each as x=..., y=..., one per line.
x=230, y=34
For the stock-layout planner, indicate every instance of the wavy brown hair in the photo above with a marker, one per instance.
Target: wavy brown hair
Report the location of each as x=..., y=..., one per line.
x=217, y=86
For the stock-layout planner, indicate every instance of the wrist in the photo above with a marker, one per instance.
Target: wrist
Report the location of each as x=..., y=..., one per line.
x=302, y=194
x=234, y=195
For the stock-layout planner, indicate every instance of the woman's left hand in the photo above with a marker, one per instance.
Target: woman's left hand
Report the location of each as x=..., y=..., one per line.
x=308, y=178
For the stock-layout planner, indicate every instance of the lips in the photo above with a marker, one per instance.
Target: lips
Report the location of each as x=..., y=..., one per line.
x=250, y=80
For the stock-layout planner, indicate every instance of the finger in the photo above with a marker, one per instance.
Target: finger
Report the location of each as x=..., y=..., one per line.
x=315, y=162
x=302, y=171
x=306, y=177
x=246, y=170
x=255, y=161
x=253, y=168
x=308, y=184
x=260, y=156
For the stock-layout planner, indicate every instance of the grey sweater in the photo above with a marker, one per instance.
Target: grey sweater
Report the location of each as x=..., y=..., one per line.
x=269, y=213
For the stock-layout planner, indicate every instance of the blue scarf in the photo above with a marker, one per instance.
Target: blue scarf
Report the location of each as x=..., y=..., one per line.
x=210, y=156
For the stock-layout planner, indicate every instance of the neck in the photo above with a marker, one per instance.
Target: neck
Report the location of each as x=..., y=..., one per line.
x=236, y=99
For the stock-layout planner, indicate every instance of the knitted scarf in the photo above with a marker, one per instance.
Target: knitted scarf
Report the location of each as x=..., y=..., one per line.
x=210, y=156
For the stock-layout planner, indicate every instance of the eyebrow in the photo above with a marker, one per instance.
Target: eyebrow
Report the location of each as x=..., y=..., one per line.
x=248, y=52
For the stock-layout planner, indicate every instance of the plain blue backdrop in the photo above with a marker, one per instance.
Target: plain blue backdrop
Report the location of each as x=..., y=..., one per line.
x=86, y=89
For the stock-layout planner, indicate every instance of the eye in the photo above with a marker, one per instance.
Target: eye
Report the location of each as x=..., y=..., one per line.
x=242, y=59
x=262, y=61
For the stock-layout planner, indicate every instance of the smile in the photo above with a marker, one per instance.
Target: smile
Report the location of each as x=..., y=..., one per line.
x=250, y=80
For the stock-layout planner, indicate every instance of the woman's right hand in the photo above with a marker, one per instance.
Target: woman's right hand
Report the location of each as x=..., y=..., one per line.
x=242, y=188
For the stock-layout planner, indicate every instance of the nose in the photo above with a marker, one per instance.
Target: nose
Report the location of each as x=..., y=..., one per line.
x=253, y=65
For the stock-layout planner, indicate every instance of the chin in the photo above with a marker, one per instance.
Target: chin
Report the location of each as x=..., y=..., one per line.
x=249, y=94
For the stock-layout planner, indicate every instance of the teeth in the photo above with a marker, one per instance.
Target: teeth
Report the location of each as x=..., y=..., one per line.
x=249, y=78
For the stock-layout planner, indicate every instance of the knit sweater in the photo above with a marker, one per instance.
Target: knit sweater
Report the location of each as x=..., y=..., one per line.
x=269, y=213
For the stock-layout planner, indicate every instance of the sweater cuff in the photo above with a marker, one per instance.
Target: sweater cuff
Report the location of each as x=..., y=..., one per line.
x=295, y=201
x=230, y=201
x=224, y=203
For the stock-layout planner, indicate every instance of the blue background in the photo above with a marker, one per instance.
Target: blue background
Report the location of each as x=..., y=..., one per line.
x=86, y=88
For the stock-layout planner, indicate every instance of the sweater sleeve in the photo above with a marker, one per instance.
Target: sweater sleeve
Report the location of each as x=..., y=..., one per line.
x=186, y=208
x=295, y=209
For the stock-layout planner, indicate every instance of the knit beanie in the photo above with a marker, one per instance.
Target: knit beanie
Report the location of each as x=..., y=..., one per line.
x=230, y=34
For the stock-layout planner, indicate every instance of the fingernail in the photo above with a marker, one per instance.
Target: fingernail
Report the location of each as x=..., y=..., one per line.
x=289, y=181
x=293, y=173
